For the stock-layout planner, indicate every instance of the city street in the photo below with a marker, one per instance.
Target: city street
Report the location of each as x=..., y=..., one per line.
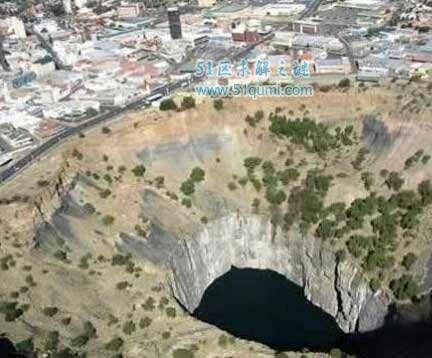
x=29, y=158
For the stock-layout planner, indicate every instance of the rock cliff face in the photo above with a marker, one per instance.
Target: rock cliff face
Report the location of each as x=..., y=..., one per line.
x=29, y=212
x=253, y=242
x=52, y=198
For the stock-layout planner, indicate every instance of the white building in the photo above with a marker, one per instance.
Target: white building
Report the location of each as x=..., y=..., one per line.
x=80, y=3
x=283, y=38
x=306, y=27
x=70, y=110
x=67, y=4
x=328, y=43
x=68, y=52
x=374, y=70
x=15, y=118
x=206, y=3
x=43, y=66
x=337, y=65
x=279, y=9
x=48, y=25
x=17, y=137
x=18, y=28
x=50, y=95
x=130, y=10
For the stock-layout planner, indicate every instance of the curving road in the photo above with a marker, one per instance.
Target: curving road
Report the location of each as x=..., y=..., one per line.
x=143, y=102
x=20, y=164
x=35, y=154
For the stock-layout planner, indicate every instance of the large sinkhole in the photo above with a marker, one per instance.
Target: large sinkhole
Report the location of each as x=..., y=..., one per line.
x=263, y=306
x=244, y=276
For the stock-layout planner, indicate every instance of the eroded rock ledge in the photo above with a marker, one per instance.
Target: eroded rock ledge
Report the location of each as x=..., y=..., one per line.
x=252, y=241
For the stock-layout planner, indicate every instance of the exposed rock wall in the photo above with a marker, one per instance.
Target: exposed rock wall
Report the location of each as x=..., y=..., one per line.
x=31, y=211
x=252, y=241
x=379, y=136
x=50, y=199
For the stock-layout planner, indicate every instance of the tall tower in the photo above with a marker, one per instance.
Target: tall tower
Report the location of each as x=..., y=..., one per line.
x=174, y=23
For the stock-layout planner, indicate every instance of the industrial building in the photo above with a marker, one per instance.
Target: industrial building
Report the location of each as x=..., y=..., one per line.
x=244, y=33
x=18, y=28
x=174, y=23
x=130, y=10
x=337, y=65
x=306, y=27
x=206, y=3
x=68, y=7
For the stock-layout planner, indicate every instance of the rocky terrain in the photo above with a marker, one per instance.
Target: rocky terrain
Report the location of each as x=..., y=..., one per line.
x=336, y=287
x=109, y=243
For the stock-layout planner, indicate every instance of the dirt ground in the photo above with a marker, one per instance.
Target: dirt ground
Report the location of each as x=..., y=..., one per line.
x=169, y=144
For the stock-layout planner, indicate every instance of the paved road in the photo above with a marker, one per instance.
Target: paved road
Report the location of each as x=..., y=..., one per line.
x=143, y=102
x=20, y=164
x=69, y=132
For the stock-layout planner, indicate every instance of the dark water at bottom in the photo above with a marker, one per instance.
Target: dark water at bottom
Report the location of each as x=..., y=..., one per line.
x=263, y=306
